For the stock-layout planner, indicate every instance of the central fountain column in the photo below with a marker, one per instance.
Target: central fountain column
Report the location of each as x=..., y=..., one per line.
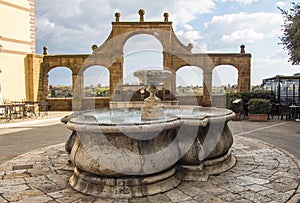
x=152, y=108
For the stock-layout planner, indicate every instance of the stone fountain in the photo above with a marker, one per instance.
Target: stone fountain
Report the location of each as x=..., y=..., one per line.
x=124, y=153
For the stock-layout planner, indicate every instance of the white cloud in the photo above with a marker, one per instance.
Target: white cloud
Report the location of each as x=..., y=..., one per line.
x=245, y=35
x=184, y=11
x=281, y=4
x=242, y=27
x=269, y=67
x=193, y=35
x=189, y=36
x=241, y=1
x=44, y=22
x=279, y=54
x=79, y=11
x=69, y=21
x=187, y=27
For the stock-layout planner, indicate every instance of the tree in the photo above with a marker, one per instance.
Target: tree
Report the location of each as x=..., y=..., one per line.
x=291, y=32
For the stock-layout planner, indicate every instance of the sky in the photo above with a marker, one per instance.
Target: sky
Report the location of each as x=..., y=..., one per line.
x=212, y=26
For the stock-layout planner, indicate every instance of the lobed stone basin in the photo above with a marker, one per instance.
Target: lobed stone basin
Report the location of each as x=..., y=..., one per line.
x=117, y=154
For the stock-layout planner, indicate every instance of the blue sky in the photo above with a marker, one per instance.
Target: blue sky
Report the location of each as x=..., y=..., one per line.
x=213, y=26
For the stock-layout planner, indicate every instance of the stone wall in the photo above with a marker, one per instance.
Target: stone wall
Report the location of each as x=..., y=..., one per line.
x=60, y=104
x=65, y=104
x=191, y=100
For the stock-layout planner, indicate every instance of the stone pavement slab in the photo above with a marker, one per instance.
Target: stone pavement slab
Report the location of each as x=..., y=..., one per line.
x=263, y=173
x=281, y=133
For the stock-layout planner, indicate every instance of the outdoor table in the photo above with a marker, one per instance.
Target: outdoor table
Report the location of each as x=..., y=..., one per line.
x=295, y=110
x=6, y=110
x=10, y=109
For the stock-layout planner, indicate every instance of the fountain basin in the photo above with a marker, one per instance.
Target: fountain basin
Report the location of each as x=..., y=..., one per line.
x=119, y=147
x=152, y=77
x=118, y=154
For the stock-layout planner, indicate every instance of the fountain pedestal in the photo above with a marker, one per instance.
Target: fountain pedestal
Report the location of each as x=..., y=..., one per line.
x=152, y=108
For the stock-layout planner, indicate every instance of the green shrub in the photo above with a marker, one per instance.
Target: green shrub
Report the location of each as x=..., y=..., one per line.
x=261, y=94
x=258, y=106
x=246, y=97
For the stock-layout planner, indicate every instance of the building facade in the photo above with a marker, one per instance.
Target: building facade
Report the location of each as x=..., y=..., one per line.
x=17, y=38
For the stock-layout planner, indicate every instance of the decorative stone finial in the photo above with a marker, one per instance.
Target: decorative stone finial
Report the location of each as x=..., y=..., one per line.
x=166, y=15
x=141, y=13
x=117, y=15
x=190, y=47
x=242, y=49
x=94, y=47
x=45, y=50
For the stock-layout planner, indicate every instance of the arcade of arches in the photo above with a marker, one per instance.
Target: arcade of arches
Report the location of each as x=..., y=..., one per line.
x=110, y=55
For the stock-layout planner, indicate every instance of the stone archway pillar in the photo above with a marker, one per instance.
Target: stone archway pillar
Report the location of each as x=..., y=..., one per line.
x=116, y=80
x=170, y=84
x=207, y=87
x=244, y=80
x=43, y=85
x=78, y=91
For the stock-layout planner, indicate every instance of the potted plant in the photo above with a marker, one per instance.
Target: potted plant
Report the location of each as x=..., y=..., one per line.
x=258, y=109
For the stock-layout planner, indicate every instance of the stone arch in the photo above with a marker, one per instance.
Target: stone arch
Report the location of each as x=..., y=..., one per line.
x=49, y=62
x=130, y=34
x=189, y=93
x=136, y=56
x=110, y=54
x=242, y=62
x=193, y=72
x=219, y=89
x=90, y=79
x=67, y=92
x=48, y=70
x=73, y=62
x=162, y=31
x=221, y=70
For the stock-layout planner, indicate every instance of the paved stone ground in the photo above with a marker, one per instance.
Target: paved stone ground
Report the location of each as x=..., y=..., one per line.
x=263, y=173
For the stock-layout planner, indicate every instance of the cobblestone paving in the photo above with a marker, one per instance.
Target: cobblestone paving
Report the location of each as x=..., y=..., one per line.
x=262, y=173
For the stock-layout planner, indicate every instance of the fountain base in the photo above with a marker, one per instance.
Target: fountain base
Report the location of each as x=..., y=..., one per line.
x=203, y=170
x=123, y=187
